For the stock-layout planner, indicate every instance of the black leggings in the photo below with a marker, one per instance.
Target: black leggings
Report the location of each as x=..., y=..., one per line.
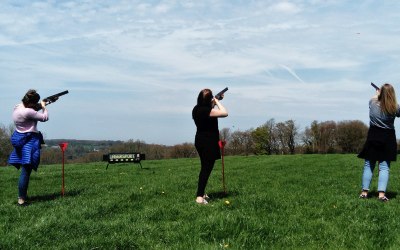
x=206, y=168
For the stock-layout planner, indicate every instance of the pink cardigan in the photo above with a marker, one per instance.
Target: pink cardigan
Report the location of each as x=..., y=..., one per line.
x=25, y=119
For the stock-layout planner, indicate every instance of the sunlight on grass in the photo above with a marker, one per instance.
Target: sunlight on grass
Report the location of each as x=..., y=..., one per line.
x=300, y=201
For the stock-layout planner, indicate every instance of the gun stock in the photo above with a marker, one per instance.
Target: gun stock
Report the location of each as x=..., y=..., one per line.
x=219, y=95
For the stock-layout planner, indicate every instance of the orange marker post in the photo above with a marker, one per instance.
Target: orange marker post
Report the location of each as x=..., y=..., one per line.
x=63, y=147
x=222, y=146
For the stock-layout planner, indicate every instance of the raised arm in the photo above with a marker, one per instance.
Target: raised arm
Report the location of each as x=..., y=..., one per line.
x=39, y=116
x=220, y=111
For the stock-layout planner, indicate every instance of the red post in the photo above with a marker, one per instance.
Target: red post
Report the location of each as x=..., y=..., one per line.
x=63, y=147
x=222, y=146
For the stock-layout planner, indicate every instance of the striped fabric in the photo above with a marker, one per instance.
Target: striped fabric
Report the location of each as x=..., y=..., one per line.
x=26, y=149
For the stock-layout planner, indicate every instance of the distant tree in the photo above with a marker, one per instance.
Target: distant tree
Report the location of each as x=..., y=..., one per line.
x=225, y=134
x=307, y=141
x=328, y=137
x=156, y=152
x=248, y=142
x=91, y=157
x=51, y=155
x=274, y=137
x=273, y=145
x=351, y=136
x=290, y=134
x=5, y=144
x=279, y=132
x=320, y=137
x=260, y=137
x=135, y=146
x=240, y=143
x=185, y=150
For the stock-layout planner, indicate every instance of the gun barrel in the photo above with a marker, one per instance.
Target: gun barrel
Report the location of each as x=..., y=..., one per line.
x=373, y=85
x=52, y=97
x=218, y=96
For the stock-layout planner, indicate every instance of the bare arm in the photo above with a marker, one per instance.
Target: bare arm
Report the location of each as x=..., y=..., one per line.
x=220, y=112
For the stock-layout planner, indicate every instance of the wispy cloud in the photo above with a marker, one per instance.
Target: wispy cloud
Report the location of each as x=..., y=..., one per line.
x=292, y=73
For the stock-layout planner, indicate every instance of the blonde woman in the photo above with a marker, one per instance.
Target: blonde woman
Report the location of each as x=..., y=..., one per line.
x=380, y=146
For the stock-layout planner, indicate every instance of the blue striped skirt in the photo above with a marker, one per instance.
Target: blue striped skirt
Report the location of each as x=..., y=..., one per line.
x=26, y=149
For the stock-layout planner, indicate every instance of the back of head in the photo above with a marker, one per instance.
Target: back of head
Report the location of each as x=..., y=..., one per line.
x=387, y=99
x=30, y=98
x=205, y=97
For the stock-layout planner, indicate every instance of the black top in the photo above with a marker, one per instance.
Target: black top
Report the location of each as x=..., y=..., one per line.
x=207, y=134
x=203, y=121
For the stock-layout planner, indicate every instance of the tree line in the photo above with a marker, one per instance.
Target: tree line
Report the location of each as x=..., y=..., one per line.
x=269, y=138
x=286, y=138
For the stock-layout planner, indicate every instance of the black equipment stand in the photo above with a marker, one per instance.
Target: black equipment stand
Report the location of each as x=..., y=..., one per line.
x=124, y=158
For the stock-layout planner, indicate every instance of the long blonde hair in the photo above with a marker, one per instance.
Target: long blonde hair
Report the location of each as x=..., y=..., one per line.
x=387, y=99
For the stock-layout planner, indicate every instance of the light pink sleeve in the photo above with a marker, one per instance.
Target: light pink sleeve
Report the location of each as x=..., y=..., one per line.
x=37, y=116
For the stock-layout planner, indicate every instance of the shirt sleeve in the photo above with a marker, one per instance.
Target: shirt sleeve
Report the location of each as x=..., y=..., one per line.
x=37, y=116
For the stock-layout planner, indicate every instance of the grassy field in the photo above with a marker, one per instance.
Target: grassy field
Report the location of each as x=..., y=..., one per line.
x=276, y=202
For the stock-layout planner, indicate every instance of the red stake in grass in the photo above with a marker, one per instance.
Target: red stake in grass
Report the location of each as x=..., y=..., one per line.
x=63, y=147
x=221, y=146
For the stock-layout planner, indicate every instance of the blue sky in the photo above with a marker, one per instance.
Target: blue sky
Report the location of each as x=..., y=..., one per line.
x=134, y=68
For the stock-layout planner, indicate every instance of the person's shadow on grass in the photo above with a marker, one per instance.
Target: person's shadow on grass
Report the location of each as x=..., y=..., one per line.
x=222, y=194
x=390, y=195
x=53, y=196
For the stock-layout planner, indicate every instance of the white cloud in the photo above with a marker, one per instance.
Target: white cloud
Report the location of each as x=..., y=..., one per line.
x=285, y=7
x=279, y=59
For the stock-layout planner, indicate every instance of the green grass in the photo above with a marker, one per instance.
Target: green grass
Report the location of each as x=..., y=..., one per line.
x=276, y=202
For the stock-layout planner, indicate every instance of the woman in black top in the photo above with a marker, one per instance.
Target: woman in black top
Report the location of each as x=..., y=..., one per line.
x=205, y=117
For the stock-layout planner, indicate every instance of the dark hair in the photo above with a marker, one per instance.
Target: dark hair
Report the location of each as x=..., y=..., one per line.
x=205, y=97
x=30, y=98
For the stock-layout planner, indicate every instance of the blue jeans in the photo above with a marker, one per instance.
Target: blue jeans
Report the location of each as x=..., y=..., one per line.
x=383, y=178
x=23, y=183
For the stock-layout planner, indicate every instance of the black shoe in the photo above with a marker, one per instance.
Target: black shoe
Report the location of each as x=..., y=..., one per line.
x=23, y=204
x=383, y=199
x=363, y=196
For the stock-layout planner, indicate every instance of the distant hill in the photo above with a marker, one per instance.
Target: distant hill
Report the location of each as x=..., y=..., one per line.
x=92, y=145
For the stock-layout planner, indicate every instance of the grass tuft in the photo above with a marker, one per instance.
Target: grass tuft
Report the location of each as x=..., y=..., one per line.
x=272, y=202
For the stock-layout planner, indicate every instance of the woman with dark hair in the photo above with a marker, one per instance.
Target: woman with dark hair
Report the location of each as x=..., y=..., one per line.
x=26, y=139
x=381, y=145
x=205, y=116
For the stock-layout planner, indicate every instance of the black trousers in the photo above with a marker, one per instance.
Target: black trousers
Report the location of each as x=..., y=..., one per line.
x=207, y=166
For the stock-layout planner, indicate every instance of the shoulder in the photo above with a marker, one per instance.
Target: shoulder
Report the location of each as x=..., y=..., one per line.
x=374, y=101
x=26, y=111
x=199, y=108
x=20, y=108
x=200, y=111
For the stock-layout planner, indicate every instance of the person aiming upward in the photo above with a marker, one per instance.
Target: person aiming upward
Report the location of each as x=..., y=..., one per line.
x=205, y=115
x=381, y=145
x=27, y=139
